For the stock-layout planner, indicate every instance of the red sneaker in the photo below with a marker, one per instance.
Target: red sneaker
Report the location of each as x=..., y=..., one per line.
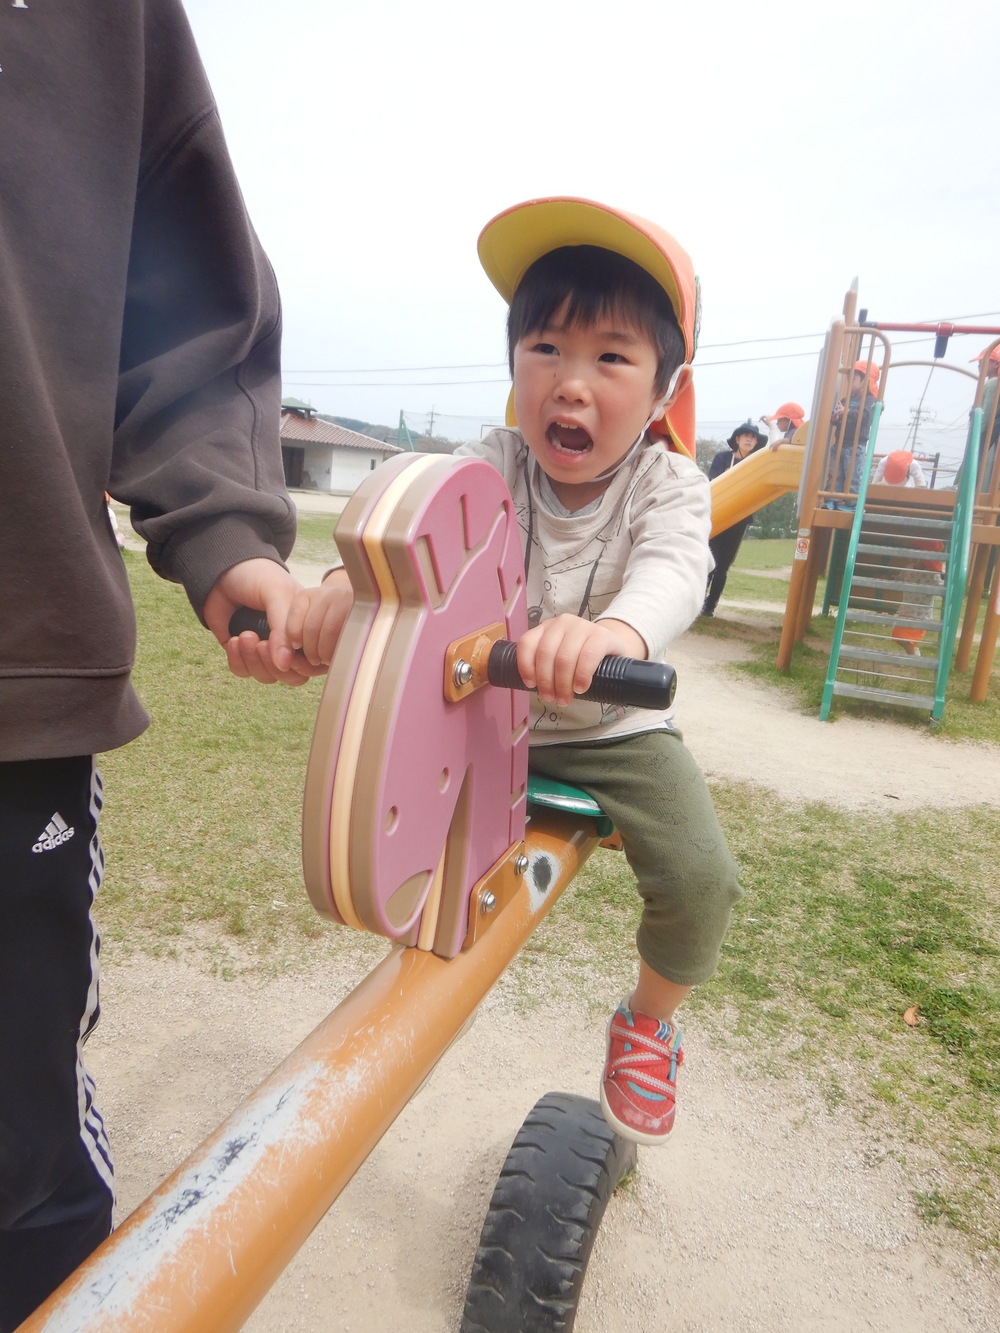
x=639, y=1086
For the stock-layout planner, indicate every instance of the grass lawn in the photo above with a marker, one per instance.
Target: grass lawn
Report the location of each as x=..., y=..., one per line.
x=847, y=921
x=761, y=571
x=314, y=540
x=803, y=683
x=773, y=554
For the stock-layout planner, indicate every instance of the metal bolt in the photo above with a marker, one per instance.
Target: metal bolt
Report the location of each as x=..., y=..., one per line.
x=462, y=674
x=521, y=864
x=487, y=903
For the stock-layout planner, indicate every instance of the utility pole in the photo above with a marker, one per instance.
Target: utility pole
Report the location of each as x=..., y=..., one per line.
x=430, y=427
x=918, y=415
x=404, y=433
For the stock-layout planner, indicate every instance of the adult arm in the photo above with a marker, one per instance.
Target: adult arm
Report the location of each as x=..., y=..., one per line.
x=197, y=451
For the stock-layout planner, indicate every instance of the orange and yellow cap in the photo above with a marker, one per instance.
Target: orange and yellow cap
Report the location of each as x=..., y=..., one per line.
x=871, y=372
x=515, y=238
x=897, y=466
x=793, y=412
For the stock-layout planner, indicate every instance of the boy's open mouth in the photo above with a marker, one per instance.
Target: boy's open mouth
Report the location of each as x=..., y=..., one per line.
x=569, y=439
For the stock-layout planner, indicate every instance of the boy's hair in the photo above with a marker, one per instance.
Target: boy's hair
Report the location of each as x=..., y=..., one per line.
x=594, y=283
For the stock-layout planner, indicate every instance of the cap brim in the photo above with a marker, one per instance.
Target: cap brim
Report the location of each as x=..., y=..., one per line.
x=512, y=241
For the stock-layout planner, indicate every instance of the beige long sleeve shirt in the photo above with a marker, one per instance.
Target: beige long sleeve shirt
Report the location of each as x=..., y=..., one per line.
x=641, y=557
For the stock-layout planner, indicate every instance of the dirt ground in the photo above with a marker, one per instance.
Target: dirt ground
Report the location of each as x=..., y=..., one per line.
x=767, y=1213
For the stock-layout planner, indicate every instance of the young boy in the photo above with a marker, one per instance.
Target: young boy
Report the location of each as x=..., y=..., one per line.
x=784, y=423
x=615, y=521
x=853, y=439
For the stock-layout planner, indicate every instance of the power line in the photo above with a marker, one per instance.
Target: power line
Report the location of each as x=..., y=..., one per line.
x=454, y=416
x=495, y=365
x=951, y=319
x=391, y=384
x=701, y=365
x=452, y=384
x=705, y=347
x=401, y=370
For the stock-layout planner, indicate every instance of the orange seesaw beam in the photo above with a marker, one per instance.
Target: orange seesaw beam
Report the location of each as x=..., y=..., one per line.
x=203, y=1250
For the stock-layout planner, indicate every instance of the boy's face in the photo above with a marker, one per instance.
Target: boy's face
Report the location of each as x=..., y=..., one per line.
x=583, y=394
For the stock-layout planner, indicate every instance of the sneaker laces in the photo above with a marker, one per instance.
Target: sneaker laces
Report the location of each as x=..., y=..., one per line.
x=645, y=1052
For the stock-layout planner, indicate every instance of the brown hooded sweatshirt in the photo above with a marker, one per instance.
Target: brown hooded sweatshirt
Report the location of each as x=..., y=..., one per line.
x=139, y=354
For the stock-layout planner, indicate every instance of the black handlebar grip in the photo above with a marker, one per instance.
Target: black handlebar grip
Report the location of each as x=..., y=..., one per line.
x=617, y=680
x=243, y=618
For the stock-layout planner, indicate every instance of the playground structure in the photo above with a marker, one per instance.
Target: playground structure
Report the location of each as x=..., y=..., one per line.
x=415, y=825
x=901, y=563
x=759, y=479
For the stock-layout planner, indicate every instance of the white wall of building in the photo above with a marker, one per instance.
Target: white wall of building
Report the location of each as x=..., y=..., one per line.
x=339, y=470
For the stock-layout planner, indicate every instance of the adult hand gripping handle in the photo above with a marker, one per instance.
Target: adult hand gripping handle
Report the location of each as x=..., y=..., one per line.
x=626, y=681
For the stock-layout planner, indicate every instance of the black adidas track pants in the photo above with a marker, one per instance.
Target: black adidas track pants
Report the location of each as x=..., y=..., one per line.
x=55, y=1166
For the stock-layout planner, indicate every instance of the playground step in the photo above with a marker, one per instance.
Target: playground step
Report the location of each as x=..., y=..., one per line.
x=904, y=523
x=928, y=589
x=889, y=658
x=922, y=701
x=883, y=618
x=913, y=552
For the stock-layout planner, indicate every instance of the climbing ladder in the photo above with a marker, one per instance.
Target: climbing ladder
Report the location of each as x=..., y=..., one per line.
x=904, y=573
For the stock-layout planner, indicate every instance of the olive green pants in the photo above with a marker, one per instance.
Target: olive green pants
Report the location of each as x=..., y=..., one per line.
x=653, y=791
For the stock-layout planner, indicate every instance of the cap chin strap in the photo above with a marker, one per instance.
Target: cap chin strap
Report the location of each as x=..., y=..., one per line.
x=658, y=410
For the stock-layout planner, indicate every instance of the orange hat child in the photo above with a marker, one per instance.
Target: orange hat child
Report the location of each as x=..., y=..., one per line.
x=871, y=373
x=994, y=356
x=897, y=466
x=515, y=238
x=792, y=412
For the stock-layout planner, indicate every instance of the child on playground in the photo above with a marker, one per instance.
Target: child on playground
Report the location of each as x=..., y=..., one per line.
x=615, y=519
x=783, y=424
x=845, y=469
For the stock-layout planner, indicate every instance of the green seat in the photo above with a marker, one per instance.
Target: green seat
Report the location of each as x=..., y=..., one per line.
x=554, y=795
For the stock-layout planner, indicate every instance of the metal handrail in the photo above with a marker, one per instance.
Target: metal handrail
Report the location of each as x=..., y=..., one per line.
x=852, y=551
x=958, y=563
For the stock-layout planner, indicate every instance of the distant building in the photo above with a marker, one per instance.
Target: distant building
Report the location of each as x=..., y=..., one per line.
x=319, y=456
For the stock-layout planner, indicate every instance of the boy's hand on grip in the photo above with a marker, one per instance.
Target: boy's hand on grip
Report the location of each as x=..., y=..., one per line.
x=558, y=658
x=317, y=616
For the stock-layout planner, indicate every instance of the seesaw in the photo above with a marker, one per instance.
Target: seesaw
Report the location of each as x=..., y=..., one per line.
x=415, y=825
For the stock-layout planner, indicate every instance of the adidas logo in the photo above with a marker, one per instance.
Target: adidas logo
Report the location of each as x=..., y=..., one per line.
x=57, y=831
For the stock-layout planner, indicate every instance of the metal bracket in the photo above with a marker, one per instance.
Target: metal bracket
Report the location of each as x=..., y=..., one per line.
x=491, y=894
x=465, y=661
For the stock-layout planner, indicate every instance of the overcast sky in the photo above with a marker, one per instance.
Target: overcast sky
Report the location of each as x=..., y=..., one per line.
x=789, y=146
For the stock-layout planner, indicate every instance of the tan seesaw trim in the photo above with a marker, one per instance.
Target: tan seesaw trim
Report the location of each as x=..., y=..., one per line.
x=432, y=907
x=364, y=686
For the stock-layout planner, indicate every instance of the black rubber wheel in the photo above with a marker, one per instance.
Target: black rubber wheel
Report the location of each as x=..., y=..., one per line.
x=562, y=1169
